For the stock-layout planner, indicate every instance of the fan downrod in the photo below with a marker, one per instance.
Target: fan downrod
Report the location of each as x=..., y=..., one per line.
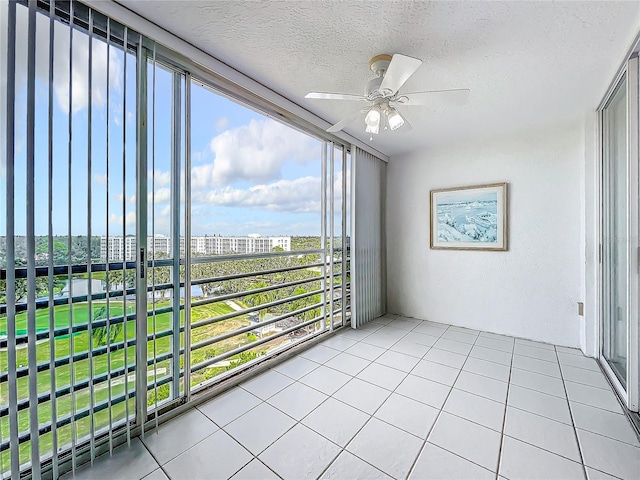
x=379, y=64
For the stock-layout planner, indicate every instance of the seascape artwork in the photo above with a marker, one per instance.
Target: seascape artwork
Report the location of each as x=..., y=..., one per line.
x=471, y=217
x=468, y=218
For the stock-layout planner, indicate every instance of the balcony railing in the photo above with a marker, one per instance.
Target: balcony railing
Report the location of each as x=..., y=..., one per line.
x=86, y=344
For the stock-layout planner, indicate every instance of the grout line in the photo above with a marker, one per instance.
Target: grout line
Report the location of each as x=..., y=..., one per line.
x=563, y=398
x=592, y=386
x=460, y=456
x=539, y=373
x=342, y=449
x=262, y=463
x=504, y=417
x=299, y=422
x=295, y=422
x=451, y=388
x=535, y=373
x=580, y=367
x=241, y=466
x=573, y=424
x=552, y=362
x=601, y=408
x=394, y=391
x=296, y=379
x=161, y=467
x=543, y=448
x=541, y=416
x=435, y=422
x=372, y=415
x=606, y=473
x=286, y=414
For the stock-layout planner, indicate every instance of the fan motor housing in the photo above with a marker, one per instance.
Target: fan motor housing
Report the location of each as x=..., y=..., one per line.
x=371, y=88
x=378, y=66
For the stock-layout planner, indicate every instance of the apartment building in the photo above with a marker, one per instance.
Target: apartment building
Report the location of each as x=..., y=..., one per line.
x=120, y=248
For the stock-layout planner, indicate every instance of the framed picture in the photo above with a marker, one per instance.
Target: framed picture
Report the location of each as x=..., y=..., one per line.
x=469, y=218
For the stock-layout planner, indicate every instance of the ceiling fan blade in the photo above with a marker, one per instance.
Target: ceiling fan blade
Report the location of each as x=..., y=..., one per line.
x=345, y=121
x=436, y=97
x=335, y=96
x=399, y=71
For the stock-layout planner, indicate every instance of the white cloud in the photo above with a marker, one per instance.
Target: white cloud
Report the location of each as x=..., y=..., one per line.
x=299, y=195
x=80, y=71
x=264, y=228
x=162, y=195
x=161, y=220
x=255, y=152
x=100, y=179
x=221, y=123
x=116, y=114
x=131, y=200
x=160, y=178
x=79, y=63
x=117, y=219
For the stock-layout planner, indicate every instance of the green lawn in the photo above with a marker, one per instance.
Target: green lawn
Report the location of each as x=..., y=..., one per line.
x=61, y=316
x=101, y=364
x=80, y=343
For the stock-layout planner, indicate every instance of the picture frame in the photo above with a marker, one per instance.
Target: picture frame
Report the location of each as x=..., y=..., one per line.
x=469, y=218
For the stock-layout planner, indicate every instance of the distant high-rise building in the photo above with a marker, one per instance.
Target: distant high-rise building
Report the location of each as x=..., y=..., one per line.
x=124, y=248
x=119, y=249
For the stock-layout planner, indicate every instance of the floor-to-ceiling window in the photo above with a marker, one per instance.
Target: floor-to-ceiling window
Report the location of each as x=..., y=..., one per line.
x=67, y=313
x=616, y=232
x=620, y=198
x=257, y=276
x=157, y=235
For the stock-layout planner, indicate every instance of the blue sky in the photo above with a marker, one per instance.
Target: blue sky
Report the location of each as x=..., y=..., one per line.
x=250, y=174
x=467, y=196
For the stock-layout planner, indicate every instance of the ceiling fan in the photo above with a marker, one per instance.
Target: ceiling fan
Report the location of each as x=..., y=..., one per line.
x=382, y=94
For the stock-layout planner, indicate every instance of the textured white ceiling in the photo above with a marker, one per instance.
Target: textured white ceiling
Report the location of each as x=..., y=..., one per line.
x=527, y=64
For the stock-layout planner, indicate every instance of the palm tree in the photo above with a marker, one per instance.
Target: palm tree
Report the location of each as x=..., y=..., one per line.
x=260, y=298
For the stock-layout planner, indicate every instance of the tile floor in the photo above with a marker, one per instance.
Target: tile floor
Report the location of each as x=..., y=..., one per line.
x=400, y=398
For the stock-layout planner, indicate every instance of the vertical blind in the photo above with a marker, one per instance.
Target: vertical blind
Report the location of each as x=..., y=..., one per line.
x=62, y=386
x=369, y=176
x=99, y=332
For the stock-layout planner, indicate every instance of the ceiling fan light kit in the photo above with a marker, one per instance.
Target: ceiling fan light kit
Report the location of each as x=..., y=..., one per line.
x=373, y=117
x=394, y=119
x=372, y=129
x=382, y=112
x=391, y=73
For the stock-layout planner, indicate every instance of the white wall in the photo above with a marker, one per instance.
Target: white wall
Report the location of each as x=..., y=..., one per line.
x=530, y=291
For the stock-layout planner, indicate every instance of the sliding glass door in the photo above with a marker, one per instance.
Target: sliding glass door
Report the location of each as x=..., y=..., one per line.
x=615, y=234
x=619, y=282
x=159, y=233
